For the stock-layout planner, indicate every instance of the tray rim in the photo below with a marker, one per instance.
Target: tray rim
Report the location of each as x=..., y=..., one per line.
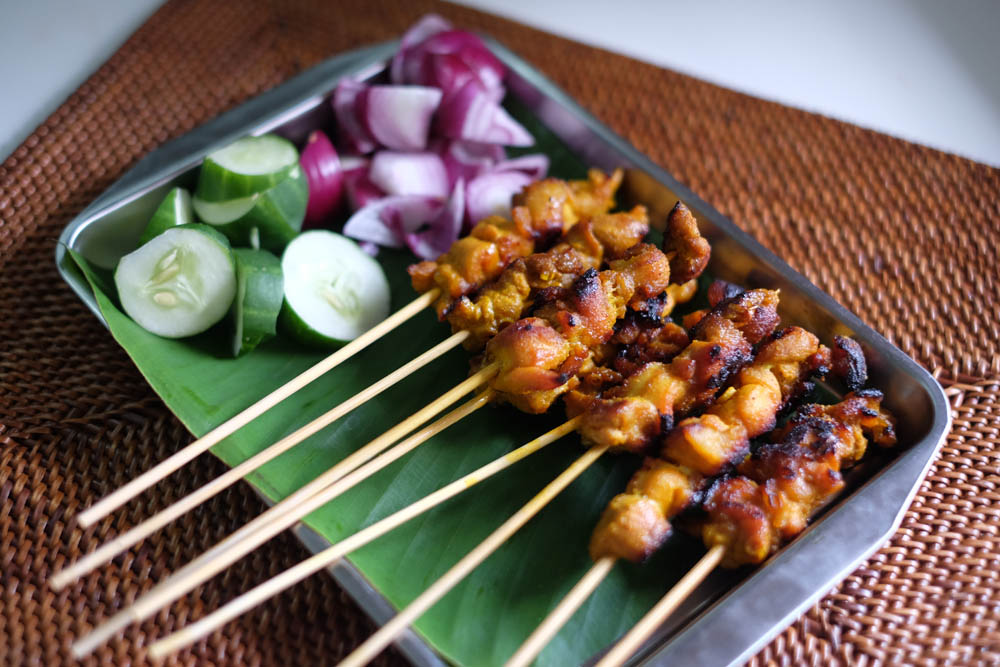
x=283, y=101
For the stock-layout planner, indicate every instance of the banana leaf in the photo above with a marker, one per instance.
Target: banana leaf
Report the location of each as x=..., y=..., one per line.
x=484, y=619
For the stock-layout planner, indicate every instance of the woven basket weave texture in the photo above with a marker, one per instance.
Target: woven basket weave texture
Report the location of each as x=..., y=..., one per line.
x=901, y=234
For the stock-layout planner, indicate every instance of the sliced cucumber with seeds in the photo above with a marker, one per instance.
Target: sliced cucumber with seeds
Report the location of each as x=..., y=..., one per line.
x=245, y=167
x=268, y=219
x=173, y=211
x=180, y=283
x=334, y=291
x=259, y=291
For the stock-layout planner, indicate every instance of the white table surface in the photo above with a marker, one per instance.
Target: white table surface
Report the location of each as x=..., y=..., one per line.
x=923, y=70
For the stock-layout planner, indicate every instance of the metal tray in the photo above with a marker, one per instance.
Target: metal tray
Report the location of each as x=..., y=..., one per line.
x=733, y=614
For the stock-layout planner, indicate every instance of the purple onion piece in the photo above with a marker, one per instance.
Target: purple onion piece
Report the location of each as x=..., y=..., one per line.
x=469, y=48
x=388, y=220
x=409, y=174
x=325, y=176
x=471, y=114
x=491, y=193
x=399, y=117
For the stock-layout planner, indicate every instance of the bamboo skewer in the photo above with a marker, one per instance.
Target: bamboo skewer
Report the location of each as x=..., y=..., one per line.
x=115, y=546
x=327, y=557
x=112, y=501
x=557, y=618
x=648, y=624
x=388, y=632
x=270, y=523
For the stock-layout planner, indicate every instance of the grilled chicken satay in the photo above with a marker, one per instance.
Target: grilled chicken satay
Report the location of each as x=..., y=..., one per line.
x=636, y=413
x=637, y=522
x=541, y=357
x=750, y=407
x=586, y=246
x=786, y=481
x=542, y=211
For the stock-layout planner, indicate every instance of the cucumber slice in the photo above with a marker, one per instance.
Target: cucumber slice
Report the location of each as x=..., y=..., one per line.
x=268, y=219
x=259, y=291
x=180, y=283
x=173, y=211
x=245, y=167
x=334, y=291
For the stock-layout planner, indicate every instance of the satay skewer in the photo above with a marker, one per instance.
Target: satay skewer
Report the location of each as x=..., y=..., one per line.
x=754, y=314
x=627, y=278
x=784, y=484
x=131, y=489
x=634, y=524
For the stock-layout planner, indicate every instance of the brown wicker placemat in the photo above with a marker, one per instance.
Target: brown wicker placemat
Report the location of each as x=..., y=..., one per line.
x=901, y=234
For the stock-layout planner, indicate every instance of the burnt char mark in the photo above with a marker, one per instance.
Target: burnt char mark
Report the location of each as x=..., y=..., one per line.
x=666, y=423
x=651, y=311
x=586, y=285
x=869, y=393
x=720, y=291
x=849, y=362
x=733, y=360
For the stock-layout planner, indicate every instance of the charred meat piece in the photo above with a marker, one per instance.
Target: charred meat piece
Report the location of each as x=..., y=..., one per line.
x=543, y=210
x=748, y=408
x=785, y=482
x=633, y=415
x=689, y=252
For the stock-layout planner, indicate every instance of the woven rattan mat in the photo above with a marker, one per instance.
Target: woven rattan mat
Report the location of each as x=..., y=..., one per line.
x=902, y=235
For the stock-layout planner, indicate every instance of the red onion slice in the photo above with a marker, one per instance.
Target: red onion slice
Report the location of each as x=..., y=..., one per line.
x=388, y=220
x=472, y=115
x=352, y=131
x=491, y=193
x=409, y=174
x=325, y=176
x=468, y=48
x=399, y=117
x=436, y=237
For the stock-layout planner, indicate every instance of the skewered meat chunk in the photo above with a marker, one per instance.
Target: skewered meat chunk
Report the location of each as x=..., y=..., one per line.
x=633, y=415
x=688, y=251
x=608, y=235
x=750, y=407
x=584, y=247
x=473, y=260
x=849, y=362
x=636, y=523
x=535, y=361
x=557, y=205
x=542, y=211
x=583, y=317
x=788, y=480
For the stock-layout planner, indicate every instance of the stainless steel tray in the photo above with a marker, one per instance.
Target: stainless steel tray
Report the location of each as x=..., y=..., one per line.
x=733, y=614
